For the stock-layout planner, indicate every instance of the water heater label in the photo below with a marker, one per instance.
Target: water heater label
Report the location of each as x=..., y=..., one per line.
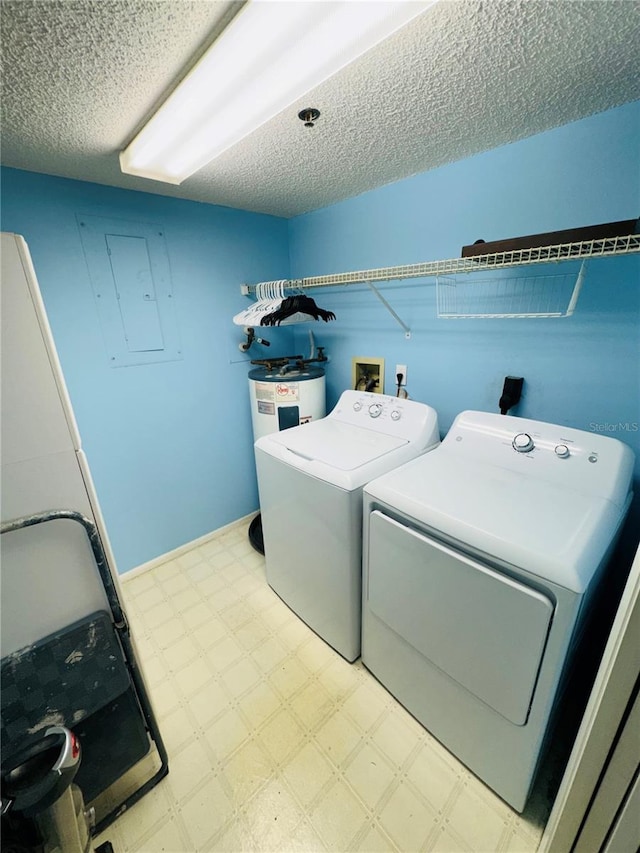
x=287, y=391
x=264, y=391
x=266, y=408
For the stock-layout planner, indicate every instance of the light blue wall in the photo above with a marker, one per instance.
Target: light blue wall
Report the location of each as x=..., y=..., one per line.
x=169, y=444
x=579, y=371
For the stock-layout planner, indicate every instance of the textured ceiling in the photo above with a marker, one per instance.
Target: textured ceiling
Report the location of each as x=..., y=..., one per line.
x=81, y=76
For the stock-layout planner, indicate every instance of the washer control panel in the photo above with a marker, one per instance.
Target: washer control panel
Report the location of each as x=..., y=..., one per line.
x=390, y=415
x=376, y=409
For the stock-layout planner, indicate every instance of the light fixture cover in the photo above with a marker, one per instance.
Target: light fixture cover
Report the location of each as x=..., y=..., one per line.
x=270, y=55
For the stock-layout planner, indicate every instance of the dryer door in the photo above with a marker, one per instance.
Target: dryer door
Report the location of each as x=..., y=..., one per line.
x=481, y=628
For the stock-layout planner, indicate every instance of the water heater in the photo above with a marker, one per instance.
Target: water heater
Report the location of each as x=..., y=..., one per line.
x=285, y=395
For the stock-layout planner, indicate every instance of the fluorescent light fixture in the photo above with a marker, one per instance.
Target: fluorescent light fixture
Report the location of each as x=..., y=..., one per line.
x=270, y=55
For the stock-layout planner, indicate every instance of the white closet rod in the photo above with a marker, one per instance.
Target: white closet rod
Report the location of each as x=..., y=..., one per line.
x=522, y=257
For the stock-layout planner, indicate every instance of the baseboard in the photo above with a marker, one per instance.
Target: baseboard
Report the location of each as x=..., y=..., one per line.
x=178, y=552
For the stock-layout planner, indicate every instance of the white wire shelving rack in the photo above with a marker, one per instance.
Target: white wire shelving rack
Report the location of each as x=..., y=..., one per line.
x=584, y=250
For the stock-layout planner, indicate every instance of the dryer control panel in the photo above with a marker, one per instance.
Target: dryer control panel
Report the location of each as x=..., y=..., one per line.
x=405, y=419
x=591, y=463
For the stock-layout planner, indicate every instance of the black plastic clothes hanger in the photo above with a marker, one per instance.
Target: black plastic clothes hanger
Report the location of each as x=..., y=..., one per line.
x=293, y=305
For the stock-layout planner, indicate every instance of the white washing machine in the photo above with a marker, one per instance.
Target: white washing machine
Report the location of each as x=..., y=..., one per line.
x=479, y=563
x=310, y=480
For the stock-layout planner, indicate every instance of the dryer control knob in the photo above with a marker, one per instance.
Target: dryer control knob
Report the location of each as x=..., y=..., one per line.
x=562, y=451
x=396, y=415
x=523, y=442
x=357, y=407
x=375, y=410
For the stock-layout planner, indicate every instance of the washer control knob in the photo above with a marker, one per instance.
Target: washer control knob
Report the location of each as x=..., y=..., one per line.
x=357, y=406
x=523, y=442
x=375, y=410
x=396, y=415
x=562, y=451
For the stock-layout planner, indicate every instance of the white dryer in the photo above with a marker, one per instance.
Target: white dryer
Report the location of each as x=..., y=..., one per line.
x=310, y=480
x=479, y=563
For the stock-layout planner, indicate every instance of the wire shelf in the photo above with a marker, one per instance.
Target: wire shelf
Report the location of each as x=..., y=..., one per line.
x=499, y=260
x=508, y=295
x=541, y=295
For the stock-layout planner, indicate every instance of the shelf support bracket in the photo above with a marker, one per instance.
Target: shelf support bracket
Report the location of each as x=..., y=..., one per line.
x=576, y=290
x=407, y=330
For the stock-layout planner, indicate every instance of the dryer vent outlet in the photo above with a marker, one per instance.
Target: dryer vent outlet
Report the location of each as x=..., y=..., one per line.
x=367, y=374
x=511, y=393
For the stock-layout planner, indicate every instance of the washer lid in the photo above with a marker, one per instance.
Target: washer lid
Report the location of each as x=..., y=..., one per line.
x=554, y=532
x=335, y=444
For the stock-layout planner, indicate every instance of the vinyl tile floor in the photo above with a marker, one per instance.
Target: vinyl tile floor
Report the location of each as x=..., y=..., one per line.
x=275, y=743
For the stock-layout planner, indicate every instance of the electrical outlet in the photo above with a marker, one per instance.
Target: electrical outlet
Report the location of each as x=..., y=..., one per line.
x=367, y=374
x=401, y=369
